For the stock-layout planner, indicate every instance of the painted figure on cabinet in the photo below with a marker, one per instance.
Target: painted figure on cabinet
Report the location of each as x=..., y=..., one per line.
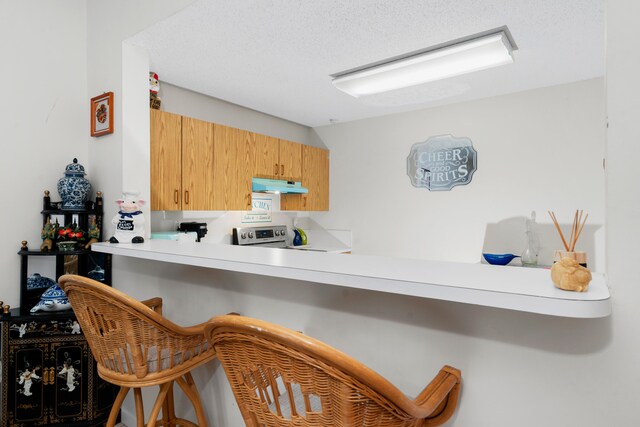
x=70, y=374
x=26, y=379
x=75, y=327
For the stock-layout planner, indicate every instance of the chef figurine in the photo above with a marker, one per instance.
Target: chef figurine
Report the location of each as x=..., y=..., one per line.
x=154, y=87
x=129, y=220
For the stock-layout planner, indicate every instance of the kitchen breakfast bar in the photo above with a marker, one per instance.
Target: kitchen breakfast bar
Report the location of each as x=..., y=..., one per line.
x=513, y=288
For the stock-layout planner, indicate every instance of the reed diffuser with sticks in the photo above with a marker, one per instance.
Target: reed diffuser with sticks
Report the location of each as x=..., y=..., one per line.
x=576, y=230
x=569, y=271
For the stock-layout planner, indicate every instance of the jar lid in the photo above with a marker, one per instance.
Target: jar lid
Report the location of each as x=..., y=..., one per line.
x=54, y=291
x=74, y=168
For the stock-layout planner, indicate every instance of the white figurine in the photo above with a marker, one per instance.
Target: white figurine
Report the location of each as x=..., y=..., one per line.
x=129, y=220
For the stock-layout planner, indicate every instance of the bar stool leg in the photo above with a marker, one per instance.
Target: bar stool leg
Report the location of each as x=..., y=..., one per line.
x=117, y=404
x=137, y=394
x=168, y=409
x=189, y=387
x=160, y=400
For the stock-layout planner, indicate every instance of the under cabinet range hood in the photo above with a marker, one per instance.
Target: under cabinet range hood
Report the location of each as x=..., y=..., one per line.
x=264, y=185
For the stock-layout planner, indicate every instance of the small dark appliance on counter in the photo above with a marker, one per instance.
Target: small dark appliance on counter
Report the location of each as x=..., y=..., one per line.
x=198, y=227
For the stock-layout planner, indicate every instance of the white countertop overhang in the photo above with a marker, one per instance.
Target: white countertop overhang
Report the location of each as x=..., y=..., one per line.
x=513, y=288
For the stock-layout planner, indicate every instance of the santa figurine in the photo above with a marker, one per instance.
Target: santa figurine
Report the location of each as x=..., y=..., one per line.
x=154, y=87
x=129, y=220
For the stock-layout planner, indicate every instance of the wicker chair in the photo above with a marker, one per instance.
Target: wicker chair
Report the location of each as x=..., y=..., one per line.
x=282, y=378
x=135, y=347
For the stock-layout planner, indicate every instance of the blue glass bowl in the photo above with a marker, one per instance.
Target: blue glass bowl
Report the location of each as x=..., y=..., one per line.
x=499, y=259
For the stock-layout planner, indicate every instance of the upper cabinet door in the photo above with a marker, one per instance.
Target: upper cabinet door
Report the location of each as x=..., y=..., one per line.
x=245, y=165
x=267, y=157
x=234, y=164
x=315, y=163
x=290, y=160
x=166, y=168
x=197, y=165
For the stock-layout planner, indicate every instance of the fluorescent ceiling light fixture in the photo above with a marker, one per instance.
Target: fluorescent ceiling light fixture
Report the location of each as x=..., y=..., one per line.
x=474, y=53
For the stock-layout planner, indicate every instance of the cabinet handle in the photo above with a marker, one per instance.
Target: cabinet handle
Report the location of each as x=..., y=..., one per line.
x=249, y=200
x=175, y=197
x=304, y=201
x=186, y=197
x=45, y=376
x=281, y=170
x=48, y=376
x=276, y=172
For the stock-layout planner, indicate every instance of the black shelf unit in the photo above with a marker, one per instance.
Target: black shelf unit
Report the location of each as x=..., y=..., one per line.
x=79, y=261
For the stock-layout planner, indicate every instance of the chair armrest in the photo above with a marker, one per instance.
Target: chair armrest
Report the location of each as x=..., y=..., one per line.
x=440, y=397
x=154, y=303
x=200, y=327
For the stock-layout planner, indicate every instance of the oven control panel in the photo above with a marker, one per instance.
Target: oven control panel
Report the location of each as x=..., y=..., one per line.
x=259, y=235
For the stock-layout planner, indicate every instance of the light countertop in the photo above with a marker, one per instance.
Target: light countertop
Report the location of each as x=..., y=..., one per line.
x=515, y=288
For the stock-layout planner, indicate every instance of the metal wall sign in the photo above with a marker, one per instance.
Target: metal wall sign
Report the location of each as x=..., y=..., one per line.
x=442, y=162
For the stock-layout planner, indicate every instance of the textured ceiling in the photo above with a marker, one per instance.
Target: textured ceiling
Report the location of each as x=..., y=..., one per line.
x=276, y=56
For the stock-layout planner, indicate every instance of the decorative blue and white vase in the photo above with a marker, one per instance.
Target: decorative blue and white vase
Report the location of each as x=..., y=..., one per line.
x=74, y=188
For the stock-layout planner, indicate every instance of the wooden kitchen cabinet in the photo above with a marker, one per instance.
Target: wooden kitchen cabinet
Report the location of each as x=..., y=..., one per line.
x=234, y=165
x=315, y=177
x=278, y=158
x=290, y=160
x=182, y=175
x=166, y=161
x=198, y=165
x=267, y=157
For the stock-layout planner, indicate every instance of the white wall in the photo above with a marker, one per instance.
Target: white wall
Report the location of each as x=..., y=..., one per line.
x=192, y=104
x=109, y=24
x=623, y=204
x=45, y=118
x=537, y=150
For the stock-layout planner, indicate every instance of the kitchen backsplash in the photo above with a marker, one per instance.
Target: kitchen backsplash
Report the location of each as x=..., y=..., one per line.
x=220, y=223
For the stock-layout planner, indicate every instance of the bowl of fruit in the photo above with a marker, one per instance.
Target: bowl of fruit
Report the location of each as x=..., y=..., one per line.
x=69, y=237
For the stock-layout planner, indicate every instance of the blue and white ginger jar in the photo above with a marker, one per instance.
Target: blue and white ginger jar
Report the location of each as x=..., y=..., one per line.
x=74, y=188
x=36, y=281
x=53, y=299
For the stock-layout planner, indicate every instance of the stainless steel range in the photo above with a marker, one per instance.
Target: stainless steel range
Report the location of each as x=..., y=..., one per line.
x=271, y=236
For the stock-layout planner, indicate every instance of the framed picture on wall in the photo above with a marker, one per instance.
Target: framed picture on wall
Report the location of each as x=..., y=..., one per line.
x=102, y=114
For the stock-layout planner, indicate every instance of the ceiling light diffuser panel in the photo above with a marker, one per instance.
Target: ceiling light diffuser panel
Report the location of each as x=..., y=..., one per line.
x=475, y=53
